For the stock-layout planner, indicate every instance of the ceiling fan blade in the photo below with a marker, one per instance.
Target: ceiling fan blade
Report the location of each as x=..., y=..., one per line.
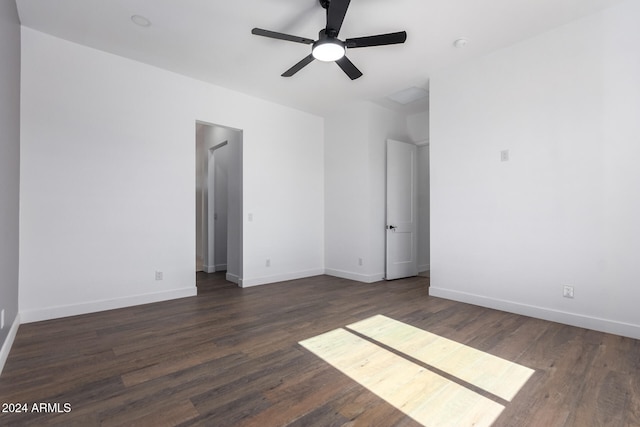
x=379, y=40
x=348, y=67
x=281, y=36
x=335, y=15
x=299, y=66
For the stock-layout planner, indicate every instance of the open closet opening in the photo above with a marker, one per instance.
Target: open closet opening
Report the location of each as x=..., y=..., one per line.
x=219, y=200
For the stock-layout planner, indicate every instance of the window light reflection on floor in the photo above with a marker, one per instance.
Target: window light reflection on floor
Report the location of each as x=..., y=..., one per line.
x=421, y=393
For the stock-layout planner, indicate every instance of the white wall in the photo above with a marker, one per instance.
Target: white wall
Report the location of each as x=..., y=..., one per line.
x=424, y=256
x=232, y=158
x=9, y=171
x=565, y=208
x=418, y=128
x=346, y=196
x=199, y=183
x=355, y=147
x=107, y=180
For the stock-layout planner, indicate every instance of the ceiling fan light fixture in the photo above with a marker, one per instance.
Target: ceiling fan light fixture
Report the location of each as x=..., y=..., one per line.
x=328, y=50
x=328, y=47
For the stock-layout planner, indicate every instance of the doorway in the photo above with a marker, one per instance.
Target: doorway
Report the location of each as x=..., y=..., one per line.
x=402, y=210
x=219, y=200
x=408, y=225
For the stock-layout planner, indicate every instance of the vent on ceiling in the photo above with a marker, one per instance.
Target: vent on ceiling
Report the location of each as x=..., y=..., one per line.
x=407, y=96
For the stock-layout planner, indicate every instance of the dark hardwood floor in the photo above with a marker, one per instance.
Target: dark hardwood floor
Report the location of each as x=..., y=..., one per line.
x=230, y=357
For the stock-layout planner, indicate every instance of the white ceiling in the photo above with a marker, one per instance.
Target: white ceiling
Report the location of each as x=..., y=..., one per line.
x=211, y=40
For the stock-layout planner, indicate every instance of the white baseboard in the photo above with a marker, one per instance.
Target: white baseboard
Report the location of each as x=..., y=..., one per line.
x=567, y=318
x=214, y=268
x=245, y=283
x=8, y=342
x=28, y=316
x=233, y=278
x=365, y=278
x=424, y=267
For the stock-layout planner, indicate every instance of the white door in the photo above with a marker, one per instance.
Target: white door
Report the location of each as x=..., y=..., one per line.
x=402, y=242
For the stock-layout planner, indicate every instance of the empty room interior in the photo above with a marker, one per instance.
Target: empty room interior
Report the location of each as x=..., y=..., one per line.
x=321, y=212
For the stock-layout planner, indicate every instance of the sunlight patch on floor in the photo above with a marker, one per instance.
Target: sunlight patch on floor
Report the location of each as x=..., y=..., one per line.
x=418, y=391
x=427, y=397
x=498, y=376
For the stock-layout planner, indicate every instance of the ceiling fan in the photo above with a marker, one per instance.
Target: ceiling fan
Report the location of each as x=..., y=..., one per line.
x=328, y=47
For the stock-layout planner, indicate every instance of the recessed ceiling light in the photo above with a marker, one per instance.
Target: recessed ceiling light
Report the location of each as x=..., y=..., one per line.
x=409, y=95
x=140, y=20
x=460, y=43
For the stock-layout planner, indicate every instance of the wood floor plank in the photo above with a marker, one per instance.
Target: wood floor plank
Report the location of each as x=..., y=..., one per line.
x=366, y=409
x=154, y=415
x=174, y=364
x=292, y=402
x=230, y=356
x=423, y=395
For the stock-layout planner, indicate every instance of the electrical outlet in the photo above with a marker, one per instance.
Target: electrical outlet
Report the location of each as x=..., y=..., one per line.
x=267, y=263
x=567, y=291
x=359, y=261
x=159, y=275
x=504, y=155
